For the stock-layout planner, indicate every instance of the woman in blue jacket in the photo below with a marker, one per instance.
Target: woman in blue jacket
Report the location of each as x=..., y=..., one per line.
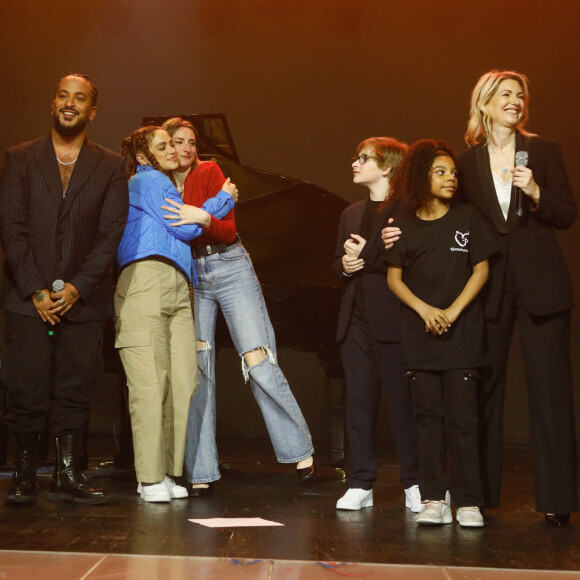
x=154, y=322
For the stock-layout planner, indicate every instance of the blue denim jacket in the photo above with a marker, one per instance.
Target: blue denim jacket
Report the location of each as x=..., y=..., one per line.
x=147, y=233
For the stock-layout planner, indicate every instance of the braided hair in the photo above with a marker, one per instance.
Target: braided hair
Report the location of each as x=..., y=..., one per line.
x=139, y=142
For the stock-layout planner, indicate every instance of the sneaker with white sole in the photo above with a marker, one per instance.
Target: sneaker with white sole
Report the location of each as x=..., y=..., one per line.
x=154, y=493
x=469, y=517
x=175, y=491
x=355, y=499
x=413, y=499
x=434, y=513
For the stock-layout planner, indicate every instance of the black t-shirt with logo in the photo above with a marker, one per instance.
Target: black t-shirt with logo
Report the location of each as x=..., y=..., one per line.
x=437, y=258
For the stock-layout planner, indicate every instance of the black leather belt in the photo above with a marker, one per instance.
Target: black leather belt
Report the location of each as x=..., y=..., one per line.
x=210, y=249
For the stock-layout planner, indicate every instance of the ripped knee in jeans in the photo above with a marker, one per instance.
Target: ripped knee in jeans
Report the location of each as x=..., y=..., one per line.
x=202, y=345
x=255, y=357
x=203, y=362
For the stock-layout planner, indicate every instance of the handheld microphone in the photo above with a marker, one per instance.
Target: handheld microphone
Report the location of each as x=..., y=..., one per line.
x=58, y=286
x=521, y=159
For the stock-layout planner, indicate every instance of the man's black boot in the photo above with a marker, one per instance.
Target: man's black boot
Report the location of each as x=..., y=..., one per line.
x=24, y=488
x=68, y=483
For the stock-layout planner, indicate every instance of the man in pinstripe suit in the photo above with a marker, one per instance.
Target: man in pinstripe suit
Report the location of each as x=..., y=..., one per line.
x=63, y=207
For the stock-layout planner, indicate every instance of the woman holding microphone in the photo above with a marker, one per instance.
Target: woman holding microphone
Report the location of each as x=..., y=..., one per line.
x=524, y=203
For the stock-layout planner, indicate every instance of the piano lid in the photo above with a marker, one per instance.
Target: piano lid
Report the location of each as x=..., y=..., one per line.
x=288, y=226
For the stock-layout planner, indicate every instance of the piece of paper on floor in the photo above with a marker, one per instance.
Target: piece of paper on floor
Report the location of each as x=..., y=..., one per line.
x=234, y=522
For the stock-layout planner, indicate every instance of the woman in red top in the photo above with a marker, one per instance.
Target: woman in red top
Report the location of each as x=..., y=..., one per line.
x=226, y=280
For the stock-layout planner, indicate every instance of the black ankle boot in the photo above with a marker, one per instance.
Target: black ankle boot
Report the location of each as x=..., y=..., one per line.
x=24, y=488
x=68, y=483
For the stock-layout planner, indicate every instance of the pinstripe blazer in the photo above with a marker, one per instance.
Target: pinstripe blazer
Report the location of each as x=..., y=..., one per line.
x=46, y=236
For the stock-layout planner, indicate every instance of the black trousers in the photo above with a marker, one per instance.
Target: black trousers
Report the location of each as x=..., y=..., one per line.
x=446, y=409
x=50, y=375
x=545, y=342
x=370, y=366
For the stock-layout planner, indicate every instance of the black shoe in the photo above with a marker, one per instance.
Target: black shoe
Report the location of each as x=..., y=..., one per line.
x=305, y=473
x=24, y=489
x=68, y=483
x=200, y=491
x=558, y=520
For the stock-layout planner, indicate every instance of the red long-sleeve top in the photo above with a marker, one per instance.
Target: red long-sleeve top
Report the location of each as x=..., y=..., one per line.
x=202, y=183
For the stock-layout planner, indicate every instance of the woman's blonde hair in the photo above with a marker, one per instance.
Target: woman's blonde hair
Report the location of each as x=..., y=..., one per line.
x=480, y=124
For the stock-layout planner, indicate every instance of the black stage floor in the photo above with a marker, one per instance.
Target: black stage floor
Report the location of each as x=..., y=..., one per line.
x=253, y=485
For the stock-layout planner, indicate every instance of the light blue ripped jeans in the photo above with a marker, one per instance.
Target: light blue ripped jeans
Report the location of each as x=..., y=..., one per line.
x=228, y=281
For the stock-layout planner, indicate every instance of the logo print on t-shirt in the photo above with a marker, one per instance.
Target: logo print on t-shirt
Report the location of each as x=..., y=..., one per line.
x=461, y=239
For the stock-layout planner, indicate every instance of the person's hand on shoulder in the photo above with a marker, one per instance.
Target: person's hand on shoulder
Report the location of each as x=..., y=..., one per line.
x=390, y=235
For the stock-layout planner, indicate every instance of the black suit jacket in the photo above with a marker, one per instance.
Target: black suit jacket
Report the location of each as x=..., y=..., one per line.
x=46, y=236
x=528, y=243
x=383, y=308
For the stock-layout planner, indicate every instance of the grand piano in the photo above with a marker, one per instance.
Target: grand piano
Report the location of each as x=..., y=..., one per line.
x=289, y=228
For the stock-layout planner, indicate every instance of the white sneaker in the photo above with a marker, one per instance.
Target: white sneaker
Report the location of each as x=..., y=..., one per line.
x=175, y=491
x=154, y=493
x=413, y=499
x=355, y=499
x=434, y=513
x=469, y=517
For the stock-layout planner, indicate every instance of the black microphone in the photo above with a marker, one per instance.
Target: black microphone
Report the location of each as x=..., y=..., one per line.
x=58, y=286
x=521, y=159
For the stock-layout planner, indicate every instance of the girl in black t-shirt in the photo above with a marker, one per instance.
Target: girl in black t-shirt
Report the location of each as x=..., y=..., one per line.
x=437, y=269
